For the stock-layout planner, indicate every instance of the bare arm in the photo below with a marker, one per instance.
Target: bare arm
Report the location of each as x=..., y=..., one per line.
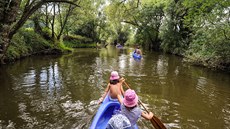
x=122, y=91
x=120, y=99
x=105, y=93
x=121, y=87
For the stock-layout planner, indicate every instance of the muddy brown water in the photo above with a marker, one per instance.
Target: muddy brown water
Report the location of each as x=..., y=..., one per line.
x=61, y=92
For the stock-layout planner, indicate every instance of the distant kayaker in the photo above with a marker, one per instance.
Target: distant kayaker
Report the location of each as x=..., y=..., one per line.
x=130, y=108
x=138, y=50
x=118, y=45
x=114, y=88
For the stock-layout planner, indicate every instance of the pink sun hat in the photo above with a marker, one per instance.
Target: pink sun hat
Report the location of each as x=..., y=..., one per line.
x=130, y=98
x=114, y=75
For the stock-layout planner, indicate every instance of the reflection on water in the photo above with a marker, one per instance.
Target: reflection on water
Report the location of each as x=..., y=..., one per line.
x=50, y=92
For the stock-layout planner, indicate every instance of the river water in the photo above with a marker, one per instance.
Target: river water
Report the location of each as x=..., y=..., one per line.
x=61, y=92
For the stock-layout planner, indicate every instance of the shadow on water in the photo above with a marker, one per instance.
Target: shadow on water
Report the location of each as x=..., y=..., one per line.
x=50, y=92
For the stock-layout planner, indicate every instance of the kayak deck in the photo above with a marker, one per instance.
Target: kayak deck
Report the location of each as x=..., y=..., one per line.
x=106, y=110
x=104, y=118
x=136, y=56
x=104, y=113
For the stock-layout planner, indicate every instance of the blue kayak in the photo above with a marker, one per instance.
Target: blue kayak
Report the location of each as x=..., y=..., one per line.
x=119, y=46
x=136, y=56
x=104, y=113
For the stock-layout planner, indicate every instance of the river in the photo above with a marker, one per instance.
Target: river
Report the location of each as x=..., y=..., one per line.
x=61, y=92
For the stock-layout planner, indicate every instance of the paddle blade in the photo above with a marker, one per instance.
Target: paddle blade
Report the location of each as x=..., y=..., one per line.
x=157, y=123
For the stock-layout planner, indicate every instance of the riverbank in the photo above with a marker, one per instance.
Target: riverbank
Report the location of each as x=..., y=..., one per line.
x=212, y=62
x=26, y=43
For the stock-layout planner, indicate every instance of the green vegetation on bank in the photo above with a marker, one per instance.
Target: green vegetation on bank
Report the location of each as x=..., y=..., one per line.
x=26, y=42
x=196, y=30
x=78, y=41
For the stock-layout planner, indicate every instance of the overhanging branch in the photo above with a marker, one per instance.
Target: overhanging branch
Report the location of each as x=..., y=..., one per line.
x=27, y=13
x=61, y=1
x=132, y=23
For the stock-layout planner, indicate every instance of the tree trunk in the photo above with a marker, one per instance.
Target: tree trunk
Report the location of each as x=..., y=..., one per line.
x=38, y=29
x=8, y=15
x=47, y=16
x=4, y=41
x=53, y=22
x=64, y=22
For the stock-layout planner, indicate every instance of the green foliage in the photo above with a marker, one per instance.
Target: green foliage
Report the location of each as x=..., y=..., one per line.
x=34, y=41
x=87, y=30
x=63, y=48
x=210, y=48
x=197, y=29
x=148, y=22
x=79, y=45
x=174, y=34
x=46, y=31
x=117, y=13
x=77, y=41
x=26, y=42
x=122, y=37
x=210, y=44
x=172, y=40
x=17, y=49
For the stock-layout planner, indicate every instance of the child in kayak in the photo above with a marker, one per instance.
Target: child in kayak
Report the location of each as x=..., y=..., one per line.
x=114, y=88
x=130, y=108
x=138, y=50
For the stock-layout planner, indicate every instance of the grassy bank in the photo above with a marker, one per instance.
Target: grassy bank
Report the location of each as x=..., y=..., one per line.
x=26, y=42
x=77, y=41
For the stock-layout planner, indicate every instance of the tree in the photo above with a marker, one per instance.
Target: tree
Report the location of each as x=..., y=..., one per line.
x=174, y=33
x=11, y=19
x=209, y=22
x=150, y=20
x=118, y=18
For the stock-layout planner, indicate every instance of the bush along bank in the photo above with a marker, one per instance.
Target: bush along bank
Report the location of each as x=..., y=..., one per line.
x=78, y=41
x=215, y=56
x=26, y=42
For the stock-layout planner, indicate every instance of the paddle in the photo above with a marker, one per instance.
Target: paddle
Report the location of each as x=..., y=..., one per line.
x=155, y=121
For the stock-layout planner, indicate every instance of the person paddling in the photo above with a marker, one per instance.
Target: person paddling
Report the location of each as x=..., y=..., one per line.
x=138, y=50
x=130, y=108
